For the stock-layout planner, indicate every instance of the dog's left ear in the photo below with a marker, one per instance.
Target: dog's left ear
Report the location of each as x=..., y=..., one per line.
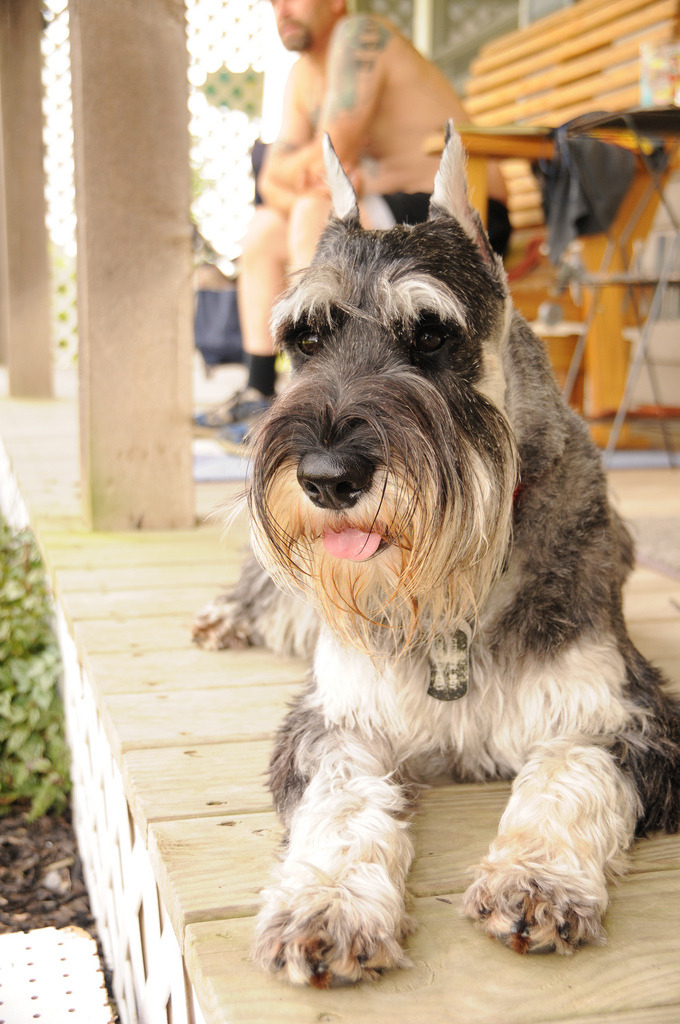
x=450, y=195
x=343, y=196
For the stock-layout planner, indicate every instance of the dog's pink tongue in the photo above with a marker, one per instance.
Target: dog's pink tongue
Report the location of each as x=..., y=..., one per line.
x=353, y=544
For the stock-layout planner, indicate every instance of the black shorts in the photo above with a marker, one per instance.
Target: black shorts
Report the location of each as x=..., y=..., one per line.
x=413, y=207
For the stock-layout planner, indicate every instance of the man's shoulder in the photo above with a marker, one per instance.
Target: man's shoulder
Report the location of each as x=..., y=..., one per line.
x=365, y=31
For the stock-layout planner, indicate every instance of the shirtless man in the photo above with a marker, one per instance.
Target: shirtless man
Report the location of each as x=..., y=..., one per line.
x=362, y=82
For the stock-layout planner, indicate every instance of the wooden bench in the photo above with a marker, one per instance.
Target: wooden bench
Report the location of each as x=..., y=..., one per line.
x=580, y=59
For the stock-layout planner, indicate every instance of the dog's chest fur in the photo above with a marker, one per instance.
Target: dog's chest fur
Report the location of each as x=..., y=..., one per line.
x=512, y=703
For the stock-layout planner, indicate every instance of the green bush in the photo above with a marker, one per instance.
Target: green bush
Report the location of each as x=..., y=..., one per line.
x=34, y=757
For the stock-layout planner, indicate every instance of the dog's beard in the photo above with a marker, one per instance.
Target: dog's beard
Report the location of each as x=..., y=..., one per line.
x=441, y=500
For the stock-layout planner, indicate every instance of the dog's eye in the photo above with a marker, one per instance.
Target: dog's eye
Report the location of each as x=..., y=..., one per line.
x=309, y=343
x=429, y=339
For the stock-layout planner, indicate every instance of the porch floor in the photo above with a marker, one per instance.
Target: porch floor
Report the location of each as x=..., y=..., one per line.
x=191, y=732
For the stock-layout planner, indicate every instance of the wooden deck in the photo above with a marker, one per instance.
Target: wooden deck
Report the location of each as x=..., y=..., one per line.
x=191, y=731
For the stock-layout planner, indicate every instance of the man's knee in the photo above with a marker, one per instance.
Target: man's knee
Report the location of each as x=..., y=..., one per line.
x=309, y=212
x=308, y=218
x=266, y=237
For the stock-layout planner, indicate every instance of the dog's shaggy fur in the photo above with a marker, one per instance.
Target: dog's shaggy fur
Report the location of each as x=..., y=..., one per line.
x=423, y=428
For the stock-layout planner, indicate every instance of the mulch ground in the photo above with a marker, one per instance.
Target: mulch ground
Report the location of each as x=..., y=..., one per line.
x=41, y=876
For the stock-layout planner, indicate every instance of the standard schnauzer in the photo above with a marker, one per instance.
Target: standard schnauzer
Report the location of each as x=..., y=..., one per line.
x=433, y=523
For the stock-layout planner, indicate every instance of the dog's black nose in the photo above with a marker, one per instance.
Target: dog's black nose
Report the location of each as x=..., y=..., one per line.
x=334, y=481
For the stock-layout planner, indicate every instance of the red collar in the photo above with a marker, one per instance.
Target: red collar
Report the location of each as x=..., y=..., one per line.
x=517, y=491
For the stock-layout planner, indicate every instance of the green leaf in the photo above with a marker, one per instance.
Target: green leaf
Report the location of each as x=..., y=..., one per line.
x=48, y=796
x=34, y=755
x=16, y=740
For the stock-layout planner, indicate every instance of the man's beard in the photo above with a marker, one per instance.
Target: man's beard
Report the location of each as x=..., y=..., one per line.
x=299, y=39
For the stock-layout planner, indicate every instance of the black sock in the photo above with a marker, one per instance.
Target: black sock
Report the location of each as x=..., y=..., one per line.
x=262, y=374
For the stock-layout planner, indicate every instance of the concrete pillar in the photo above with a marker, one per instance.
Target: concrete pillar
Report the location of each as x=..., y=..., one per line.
x=25, y=342
x=135, y=304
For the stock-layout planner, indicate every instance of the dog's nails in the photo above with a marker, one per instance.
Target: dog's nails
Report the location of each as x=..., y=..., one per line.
x=320, y=976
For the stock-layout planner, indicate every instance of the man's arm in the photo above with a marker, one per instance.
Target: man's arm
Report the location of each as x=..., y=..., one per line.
x=275, y=185
x=355, y=78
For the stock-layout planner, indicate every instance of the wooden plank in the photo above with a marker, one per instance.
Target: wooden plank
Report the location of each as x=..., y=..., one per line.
x=461, y=977
x=140, y=720
x=656, y=640
x=191, y=668
x=620, y=99
x=140, y=548
x=670, y=667
x=36, y=419
x=169, y=633
x=643, y=581
x=645, y=492
x=544, y=106
x=537, y=28
x=210, y=868
x=525, y=219
x=223, y=568
x=560, y=113
x=149, y=604
x=559, y=75
x=581, y=36
x=206, y=780
x=655, y=605
x=642, y=1015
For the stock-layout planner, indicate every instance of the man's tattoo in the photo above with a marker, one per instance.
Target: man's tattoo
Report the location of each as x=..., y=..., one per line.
x=315, y=117
x=361, y=41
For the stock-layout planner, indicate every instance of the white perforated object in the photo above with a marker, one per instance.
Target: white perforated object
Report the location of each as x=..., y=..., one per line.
x=52, y=975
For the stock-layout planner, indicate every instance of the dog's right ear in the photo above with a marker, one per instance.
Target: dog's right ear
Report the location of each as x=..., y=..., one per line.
x=343, y=196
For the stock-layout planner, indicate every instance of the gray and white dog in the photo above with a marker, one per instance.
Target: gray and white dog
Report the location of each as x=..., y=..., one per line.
x=433, y=522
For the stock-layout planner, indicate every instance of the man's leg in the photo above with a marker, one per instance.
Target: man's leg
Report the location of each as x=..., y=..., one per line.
x=307, y=220
x=261, y=280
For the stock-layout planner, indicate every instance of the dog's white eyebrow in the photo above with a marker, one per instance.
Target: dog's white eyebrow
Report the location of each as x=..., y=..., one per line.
x=405, y=297
x=321, y=289
x=392, y=297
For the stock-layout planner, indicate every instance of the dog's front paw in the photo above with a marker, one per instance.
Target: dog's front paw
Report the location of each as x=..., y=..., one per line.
x=321, y=938
x=221, y=625
x=531, y=913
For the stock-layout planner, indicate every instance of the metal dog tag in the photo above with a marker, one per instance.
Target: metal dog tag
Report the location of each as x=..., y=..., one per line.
x=450, y=666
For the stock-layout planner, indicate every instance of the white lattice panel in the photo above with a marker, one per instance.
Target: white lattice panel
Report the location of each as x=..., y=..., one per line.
x=60, y=174
x=149, y=978
x=234, y=37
